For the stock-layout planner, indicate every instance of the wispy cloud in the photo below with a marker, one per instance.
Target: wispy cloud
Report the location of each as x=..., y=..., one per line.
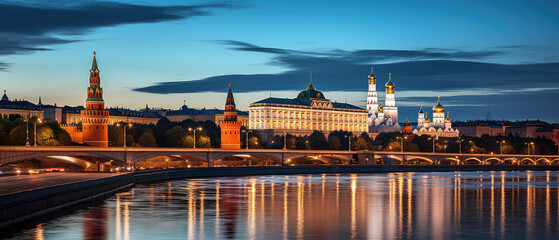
x=31, y=26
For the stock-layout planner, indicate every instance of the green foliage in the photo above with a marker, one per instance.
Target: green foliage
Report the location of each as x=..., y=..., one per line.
x=17, y=135
x=64, y=138
x=203, y=142
x=175, y=136
x=334, y=143
x=147, y=140
x=45, y=136
x=116, y=136
x=188, y=142
x=318, y=141
x=129, y=140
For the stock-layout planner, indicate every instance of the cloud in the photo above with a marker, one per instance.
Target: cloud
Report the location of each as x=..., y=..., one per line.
x=419, y=70
x=468, y=84
x=32, y=27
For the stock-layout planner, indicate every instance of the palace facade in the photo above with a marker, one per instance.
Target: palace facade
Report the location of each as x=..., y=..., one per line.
x=302, y=115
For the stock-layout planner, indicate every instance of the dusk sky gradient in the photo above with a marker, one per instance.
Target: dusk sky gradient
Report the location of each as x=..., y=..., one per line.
x=479, y=56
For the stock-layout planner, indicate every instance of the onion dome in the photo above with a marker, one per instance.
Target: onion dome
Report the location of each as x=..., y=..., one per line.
x=5, y=97
x=438, y=108
x=389, y=85
x=380, y=108
x=447, y=120
x=426, y=120
x=372, y=77
x=407, y=123
x=184, y=107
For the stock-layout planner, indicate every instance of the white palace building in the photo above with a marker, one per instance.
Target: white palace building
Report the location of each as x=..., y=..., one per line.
x=308, y=112
x=382, y=118
x=439, y=127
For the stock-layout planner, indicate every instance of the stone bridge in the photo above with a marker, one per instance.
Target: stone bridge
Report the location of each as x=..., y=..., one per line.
x=129, y=156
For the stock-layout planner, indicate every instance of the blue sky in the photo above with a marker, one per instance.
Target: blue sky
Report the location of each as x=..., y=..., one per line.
x=497, y=56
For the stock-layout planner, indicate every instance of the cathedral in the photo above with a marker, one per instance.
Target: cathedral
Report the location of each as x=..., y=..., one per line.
x=439, y=127
x=382, y=118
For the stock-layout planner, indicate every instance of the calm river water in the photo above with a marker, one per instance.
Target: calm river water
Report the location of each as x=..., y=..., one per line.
x=455, y=205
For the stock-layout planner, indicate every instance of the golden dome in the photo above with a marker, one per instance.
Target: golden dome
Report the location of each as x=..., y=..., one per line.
x=447, y=120
x=439, y=107
x=426, y=120
x=372, y=77
x=380, y=108
x=389, y=85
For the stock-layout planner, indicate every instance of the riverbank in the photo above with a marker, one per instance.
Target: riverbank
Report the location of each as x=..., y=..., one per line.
x=23, y=206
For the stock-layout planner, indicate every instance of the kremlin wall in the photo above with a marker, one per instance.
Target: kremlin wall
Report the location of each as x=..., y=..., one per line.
x=309, y=111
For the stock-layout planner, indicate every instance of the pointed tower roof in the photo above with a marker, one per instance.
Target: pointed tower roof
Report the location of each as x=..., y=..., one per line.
x=5, y=97
x=94, y=63
x=421, y=109
x=372, y=77
x=389, y=83
x=310, y=87
x=230, y=98
x=40, y=103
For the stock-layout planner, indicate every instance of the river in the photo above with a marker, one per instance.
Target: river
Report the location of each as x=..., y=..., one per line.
x=451, y=205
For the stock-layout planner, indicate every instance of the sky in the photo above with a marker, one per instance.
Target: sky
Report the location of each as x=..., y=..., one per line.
x=500, y=57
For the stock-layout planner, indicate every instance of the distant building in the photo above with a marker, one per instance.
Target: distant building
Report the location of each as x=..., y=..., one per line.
x=201, y=115
x=479, y=128
x=302, y=115
x=439, y=127
x=19, y=108
x=382, y=118
x=230, y=127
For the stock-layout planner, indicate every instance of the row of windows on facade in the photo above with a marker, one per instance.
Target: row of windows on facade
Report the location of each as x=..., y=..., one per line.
x=316, y=117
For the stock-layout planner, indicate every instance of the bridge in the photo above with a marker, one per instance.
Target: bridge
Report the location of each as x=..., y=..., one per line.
x=119, y=156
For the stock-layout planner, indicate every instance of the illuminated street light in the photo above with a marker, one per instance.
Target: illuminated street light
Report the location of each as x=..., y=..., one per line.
x=124, y=131
x=35, y=130
x=247, y=131
x=196, y=129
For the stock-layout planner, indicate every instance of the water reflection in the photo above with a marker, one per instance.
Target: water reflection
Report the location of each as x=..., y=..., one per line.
x=456, y=205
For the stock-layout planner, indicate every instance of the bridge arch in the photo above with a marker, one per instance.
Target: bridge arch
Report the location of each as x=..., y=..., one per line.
x=472, y=160
x=527, y=161
x=449, y=161
x=554, y=161
x=246, y=159
x=492, y=160
x=419, y=160
x=542, y=161
x=510, y=161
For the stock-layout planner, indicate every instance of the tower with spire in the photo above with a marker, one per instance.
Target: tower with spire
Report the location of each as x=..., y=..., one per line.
x=372, y=99
x=230, y=127
x=390, y=109
x=439, y=127
x=95, y=117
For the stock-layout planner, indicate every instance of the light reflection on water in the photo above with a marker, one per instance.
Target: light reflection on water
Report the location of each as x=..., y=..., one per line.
x=460, y=205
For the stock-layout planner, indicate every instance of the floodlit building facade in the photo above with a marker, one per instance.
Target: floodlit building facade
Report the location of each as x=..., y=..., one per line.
x=302, y=115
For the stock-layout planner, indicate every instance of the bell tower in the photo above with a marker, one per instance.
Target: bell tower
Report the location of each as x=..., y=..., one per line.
x=230, y=127
x=95, y=117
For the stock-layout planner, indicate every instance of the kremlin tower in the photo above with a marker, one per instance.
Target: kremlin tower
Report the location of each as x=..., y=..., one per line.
x=95, y=117
x=230, y=127
x=372, y=98
x=390, y=109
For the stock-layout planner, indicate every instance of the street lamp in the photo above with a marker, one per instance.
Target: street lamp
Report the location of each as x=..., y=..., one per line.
x=195, y=129
x=501, y=145
x=349, y=143
x=433, y=143
x=124, y=132
x=307, y=144
x=27, y=132
x=402, y=142
x=246, y=131
x=531, y=144
x=35, y=130
x=284, y=140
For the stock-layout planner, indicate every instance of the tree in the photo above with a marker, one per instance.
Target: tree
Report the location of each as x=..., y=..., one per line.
x=147, y=140
x=129, y=140
x=254, y=143
x=116, y=137
x=45, y=136
x=64, y=138
x=359, y=143
x=334, y=143
x=203, y=142
x=188, y=142
x=174, y=136
x=17, y=135
x=317, y=140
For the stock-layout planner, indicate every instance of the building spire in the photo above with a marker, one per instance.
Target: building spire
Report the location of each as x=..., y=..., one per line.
x=230, y=99
x=94, y=63
x=372, y=77
x=40, y=103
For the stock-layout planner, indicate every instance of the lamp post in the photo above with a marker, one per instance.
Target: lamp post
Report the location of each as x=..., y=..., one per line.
x=195, y=129
x=246, y=131
x=501, y=145
x=27, y=132
x=35, y=130
x=349, y=148
x=433, y=144
x=402, y=142
x=124, y=132
x=531, y=144
x=460, y=145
